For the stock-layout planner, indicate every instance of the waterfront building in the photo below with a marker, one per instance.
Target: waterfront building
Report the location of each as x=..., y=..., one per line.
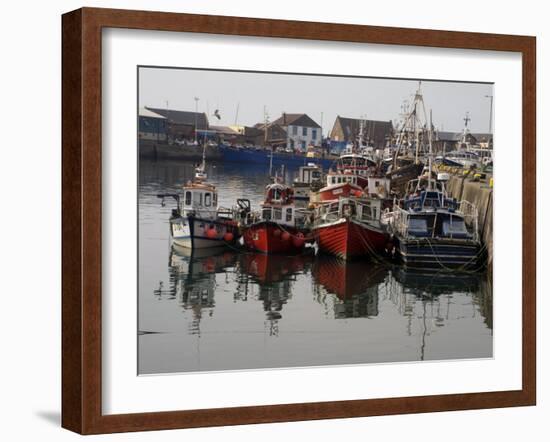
x=152, y=126
x=301, y=131
x=182, y=124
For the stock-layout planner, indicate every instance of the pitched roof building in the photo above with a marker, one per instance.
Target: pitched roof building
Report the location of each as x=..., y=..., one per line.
x=347, y=129
x=301, y=120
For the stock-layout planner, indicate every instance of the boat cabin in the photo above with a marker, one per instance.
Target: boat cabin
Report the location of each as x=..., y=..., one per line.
x=361, y=209
x=355, y=163
x=378, y=186
x=334, y=178
x=201, y=199
x=442, y=224
x=433, y=199
x=279, y=206
x=308, y=174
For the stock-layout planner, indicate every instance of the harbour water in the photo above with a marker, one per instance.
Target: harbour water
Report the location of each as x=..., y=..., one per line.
x=229, y=309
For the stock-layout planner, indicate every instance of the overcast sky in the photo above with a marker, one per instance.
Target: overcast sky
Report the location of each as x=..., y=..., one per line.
x=371, y=98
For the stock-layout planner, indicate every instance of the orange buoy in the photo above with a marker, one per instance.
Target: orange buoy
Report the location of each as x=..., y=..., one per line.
x=298, y=240
x=211, y=233
x=285, y=236
x=228, y=237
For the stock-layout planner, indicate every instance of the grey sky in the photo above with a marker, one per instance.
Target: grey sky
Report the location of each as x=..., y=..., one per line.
x=376, y=99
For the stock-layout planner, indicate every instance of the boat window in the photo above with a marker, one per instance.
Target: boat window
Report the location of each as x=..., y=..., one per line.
x=333, y=180
x=277, y=213
x=289, y=214
x=188, y=198
x=277, y=194
x=366, y=212
x=455, y=228
x=197, y=198
x=207, y=199
x=266, y=213
x=214, y=199
x=418, y=227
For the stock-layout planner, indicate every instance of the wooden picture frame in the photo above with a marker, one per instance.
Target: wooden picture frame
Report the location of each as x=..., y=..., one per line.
x=81, y=199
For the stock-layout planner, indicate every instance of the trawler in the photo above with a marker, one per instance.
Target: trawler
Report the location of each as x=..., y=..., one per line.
x=349, y=227
x=280, y=225
x=432, y=230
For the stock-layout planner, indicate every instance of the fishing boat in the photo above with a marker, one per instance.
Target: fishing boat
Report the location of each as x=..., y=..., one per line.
x=350, y=227
x=268, y=155
x=198, y=222
x=348, y=178
x=433, y=230
x=279, y=227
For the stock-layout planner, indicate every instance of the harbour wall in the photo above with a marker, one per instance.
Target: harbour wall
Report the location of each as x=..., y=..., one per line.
x=480, y=194
x=163, y=151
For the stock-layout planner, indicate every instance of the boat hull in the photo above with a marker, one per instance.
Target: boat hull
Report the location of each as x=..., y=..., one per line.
x=269, y=237
x=192, y=232
x=348, y=239
x=438, y=253
x=233, y=155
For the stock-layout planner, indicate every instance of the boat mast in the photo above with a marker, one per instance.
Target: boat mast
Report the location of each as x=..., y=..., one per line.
x=430, y=154
x=266, y=122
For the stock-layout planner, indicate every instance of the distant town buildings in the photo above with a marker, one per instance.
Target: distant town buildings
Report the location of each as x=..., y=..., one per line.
x=448, y=141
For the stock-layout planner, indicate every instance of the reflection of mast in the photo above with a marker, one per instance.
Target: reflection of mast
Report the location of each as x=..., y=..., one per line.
x=423, y=345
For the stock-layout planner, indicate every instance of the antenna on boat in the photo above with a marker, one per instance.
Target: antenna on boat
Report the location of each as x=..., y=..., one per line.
x=200, y=171
x=266, y=122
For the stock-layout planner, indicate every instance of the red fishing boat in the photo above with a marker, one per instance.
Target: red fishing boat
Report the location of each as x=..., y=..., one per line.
x=350, y=228
x=348, y=178
x=279, y=227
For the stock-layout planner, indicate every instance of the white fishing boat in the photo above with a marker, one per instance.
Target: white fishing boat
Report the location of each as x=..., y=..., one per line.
x=198, y=222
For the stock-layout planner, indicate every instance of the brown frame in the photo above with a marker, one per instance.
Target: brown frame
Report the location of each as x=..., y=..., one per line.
x=81, y=216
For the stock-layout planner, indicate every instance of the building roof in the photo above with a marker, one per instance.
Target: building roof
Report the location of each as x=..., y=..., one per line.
x=182, y=117
x=374, y=129
x=442, y=135
x=144, y=112
x=296, y=120
x=224, y=130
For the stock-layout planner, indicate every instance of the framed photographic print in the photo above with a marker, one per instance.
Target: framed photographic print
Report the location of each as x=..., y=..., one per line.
x=269, y=221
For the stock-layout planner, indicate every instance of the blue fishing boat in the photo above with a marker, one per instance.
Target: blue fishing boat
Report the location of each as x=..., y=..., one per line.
x=258, y=155
x=435, y=231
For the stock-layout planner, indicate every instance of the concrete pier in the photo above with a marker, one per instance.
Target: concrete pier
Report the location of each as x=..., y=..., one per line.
x=479, y=193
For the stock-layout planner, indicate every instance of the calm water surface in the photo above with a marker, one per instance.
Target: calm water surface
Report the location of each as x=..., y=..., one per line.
x=228, y=309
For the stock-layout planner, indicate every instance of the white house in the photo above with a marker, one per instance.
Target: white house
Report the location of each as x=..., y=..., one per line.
x=301, y=130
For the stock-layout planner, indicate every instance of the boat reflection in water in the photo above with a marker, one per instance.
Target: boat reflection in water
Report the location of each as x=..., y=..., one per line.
x=436, y=300
x=355, y=284
x=269, y=279
x=192, y=278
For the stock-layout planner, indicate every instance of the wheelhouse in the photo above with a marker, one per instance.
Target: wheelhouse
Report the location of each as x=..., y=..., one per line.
x=200, y=198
